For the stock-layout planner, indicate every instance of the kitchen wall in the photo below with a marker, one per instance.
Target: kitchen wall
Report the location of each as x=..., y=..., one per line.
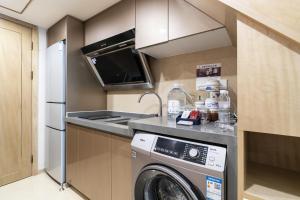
x=41, y=97
x=166, y=72
x=177, y=69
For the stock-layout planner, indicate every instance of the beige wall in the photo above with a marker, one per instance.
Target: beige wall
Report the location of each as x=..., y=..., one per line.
x=180, y=69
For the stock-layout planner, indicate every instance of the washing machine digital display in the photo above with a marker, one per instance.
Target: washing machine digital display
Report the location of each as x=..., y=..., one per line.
x=182, y=150
x=170, y=147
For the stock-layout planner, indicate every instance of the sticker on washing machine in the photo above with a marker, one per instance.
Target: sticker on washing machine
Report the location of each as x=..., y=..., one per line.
x=213, y=188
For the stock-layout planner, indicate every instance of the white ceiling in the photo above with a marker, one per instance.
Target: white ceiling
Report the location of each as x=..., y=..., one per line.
x=45, y=13
x=16, y=5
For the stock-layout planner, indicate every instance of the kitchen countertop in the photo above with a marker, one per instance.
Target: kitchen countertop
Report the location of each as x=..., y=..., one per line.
x=103, y=124
x=162, y=125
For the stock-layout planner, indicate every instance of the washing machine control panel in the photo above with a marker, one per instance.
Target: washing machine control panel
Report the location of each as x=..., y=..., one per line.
x=210, y=156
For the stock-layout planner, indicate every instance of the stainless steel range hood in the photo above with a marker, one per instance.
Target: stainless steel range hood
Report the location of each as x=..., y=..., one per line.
x=117, y=64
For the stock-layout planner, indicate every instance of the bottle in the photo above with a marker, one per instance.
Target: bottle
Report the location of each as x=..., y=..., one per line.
x=200, y=106
x=224, y=100
x=176, y=101
x=224, y=107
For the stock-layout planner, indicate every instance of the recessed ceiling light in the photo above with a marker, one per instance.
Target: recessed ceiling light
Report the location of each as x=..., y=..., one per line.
x=17, y=6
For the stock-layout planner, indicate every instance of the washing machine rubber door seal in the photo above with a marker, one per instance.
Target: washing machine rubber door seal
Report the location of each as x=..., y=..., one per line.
x=156, y=181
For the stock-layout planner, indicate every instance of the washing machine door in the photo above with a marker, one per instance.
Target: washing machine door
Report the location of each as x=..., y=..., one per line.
x=157, y=182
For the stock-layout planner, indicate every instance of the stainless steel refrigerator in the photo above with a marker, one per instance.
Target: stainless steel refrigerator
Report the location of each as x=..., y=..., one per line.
x=55, y=112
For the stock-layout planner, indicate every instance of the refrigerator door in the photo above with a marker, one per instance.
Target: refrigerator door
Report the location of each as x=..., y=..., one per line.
x=55, y=154
x=56, y=73
x=55, y=115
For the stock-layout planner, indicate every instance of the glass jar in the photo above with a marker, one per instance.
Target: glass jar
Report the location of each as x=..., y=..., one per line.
x=200, y=106
x=213, y=115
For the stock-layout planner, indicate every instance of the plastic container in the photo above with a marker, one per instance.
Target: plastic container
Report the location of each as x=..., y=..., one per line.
x=176, y=101
x=211, y=103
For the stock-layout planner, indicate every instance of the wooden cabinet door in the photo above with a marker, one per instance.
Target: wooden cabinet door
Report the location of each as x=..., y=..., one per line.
x=15, y=102
x=72, y=156
x=151, y=22
x=94, y=167
x=121, y=168
x=185, y=19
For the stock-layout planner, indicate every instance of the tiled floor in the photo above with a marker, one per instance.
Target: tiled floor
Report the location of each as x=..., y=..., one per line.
x=39, y=187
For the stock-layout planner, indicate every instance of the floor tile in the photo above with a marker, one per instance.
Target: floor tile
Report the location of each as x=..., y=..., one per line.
x=39, y=187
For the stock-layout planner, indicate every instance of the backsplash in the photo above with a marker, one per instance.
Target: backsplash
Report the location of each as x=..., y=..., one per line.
x=177, y=69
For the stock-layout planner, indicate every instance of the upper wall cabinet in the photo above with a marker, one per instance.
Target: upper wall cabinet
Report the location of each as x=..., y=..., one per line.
x=162, y=27
x=151, y=22
x=117, y=19
x=184, y=20
x=220, y=12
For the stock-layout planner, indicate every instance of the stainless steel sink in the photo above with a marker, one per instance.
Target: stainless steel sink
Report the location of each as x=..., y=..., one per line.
x=123, y=121
x=108, y=117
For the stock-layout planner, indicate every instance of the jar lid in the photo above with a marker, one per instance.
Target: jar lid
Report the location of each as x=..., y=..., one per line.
x=224, y=92
x=177, y=85
x=224, y=109
x=199, y=103
x=211, y=100
x=213, y=110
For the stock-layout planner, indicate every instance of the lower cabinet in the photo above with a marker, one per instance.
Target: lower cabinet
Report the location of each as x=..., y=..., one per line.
x=121, y=168
x=98, y=164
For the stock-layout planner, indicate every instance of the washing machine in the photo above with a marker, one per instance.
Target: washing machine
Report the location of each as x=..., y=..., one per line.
x=166, y=168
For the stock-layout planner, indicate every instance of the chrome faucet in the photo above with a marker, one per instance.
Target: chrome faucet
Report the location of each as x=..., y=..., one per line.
x=160, y=102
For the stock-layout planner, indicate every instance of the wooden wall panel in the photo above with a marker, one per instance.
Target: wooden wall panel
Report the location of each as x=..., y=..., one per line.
x=268, y=80
x=274, y=150
x=281, y=16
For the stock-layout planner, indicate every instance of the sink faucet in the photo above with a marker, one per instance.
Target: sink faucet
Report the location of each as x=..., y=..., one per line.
x=160, y=102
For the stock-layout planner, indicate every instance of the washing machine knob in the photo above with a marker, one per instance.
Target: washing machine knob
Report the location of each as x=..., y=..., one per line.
x=193, y=152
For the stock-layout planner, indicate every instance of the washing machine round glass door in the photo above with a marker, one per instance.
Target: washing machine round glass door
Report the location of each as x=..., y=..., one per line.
x=157, y=182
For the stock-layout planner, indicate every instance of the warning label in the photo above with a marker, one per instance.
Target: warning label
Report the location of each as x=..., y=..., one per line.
x=213, y=188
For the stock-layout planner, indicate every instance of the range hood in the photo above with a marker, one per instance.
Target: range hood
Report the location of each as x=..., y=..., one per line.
x=117, y=64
